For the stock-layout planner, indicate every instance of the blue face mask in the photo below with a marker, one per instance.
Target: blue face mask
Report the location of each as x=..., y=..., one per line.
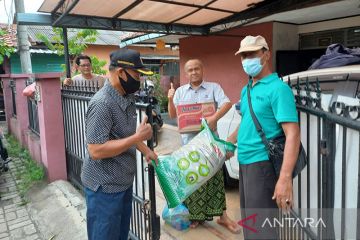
x=252, y=66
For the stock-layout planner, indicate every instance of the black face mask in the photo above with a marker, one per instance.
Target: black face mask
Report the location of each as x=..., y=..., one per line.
x=131, y=85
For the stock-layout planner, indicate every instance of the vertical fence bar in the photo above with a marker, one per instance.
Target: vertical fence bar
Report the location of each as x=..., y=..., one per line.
x=155, y=219
x=358, y=199
x=299, y=176
x=328, y=173
x=308, y=177
x=343, y=184
x=319, y=179
x=13, y=96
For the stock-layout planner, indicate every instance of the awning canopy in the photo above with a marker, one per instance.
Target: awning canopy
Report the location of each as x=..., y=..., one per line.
x=189, y=17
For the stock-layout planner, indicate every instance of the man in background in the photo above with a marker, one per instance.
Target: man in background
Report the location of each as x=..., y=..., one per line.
x=86, y=77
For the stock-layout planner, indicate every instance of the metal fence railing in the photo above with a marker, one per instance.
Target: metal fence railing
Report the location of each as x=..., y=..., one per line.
x=33, y=113
x=328, y=189
x=145, y=223
x=13, y=96
x=33, y=116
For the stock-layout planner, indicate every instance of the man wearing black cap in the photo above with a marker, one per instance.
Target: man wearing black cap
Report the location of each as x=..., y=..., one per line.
x=112, y=140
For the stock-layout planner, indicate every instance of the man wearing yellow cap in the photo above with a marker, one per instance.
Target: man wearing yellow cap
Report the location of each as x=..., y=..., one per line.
x=273, y=105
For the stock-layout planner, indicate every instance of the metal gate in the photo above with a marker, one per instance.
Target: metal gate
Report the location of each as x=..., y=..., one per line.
x=145, y=223
x=328, y=188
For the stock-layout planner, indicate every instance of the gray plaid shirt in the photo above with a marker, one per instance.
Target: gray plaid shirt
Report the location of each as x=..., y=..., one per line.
x=110, y=116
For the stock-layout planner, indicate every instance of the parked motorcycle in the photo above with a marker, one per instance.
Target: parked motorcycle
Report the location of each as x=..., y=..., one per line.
x=4, y=157
x=146, y=95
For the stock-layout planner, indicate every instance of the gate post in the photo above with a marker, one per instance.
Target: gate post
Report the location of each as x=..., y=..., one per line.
x=51, y=126
x=16, y=125
x=328, y=175
x=154, y=218
x=7, y=98
x=22, y=112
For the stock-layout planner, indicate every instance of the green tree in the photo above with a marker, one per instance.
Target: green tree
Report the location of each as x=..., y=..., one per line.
x=5, y=50
x=159, y=92
x=77, y=45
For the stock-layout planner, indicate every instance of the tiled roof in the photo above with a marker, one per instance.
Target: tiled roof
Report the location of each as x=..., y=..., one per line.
x=104, y=37
x=10, y=37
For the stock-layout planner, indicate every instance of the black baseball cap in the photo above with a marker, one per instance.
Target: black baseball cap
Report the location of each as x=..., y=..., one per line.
x=128, y=58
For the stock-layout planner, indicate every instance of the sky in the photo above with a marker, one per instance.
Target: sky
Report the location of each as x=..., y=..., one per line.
x=31, y=6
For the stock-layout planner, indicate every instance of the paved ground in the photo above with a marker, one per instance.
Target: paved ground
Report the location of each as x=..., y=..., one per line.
x=15, y=220
x=56, y=211
x=169, y=140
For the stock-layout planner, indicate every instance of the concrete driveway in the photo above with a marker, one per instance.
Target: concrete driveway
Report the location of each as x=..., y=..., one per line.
x=169, y=140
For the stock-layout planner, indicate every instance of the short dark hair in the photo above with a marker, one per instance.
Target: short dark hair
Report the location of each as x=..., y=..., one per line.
x=77, y=60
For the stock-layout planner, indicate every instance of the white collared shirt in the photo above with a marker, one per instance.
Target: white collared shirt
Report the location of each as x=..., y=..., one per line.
x=207, y=92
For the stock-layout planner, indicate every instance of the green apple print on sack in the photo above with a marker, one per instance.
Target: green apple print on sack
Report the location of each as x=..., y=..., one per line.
x=188, y=168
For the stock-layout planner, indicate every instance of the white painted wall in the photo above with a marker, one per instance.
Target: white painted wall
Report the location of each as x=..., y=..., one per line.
x=285, y=37
x=328, y=25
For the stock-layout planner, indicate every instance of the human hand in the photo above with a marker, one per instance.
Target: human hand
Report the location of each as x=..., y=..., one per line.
x=283, y=193
x=151, y=155
x=144, y=130
x=229, y=155
x=171, y=91
x=67, y=81
x=212, y=122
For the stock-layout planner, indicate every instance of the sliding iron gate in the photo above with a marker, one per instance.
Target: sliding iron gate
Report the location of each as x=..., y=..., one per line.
x=145, y=223
x=328, y=188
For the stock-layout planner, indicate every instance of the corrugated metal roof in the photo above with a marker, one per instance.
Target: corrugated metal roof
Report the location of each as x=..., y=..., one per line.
x=42, y=51
x=164, y=57
x=104, y=37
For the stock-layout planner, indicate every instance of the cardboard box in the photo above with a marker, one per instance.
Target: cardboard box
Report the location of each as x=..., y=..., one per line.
x=189, y=115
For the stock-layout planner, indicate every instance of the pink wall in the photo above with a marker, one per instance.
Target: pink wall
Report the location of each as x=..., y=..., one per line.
x=217, y=54
x=22, y=113
x=33, y=145
x=19, y=124
x=7, y=98
x=49, y=148
x=51, y=126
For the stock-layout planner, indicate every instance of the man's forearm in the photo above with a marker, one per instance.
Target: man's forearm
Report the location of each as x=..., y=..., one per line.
x=233, y=137
x=141, y=146
x=171, y=108
x=222, y=111
x=111, y=148
x=291, y=153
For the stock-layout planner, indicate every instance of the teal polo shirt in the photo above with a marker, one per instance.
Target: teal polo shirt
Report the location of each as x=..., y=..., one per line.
x=273, y=103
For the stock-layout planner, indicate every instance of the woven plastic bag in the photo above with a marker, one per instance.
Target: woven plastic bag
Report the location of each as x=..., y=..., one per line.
x=177, y=217
x=188, y=168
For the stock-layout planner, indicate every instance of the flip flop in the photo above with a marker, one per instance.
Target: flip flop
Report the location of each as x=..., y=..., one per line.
x=230, y=226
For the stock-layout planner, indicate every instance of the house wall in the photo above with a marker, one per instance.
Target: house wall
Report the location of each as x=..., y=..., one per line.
x=48, y=148
x=40, y=63
x=285, y=37
x=217, y=54
x=331, y=24
x=103, y=52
